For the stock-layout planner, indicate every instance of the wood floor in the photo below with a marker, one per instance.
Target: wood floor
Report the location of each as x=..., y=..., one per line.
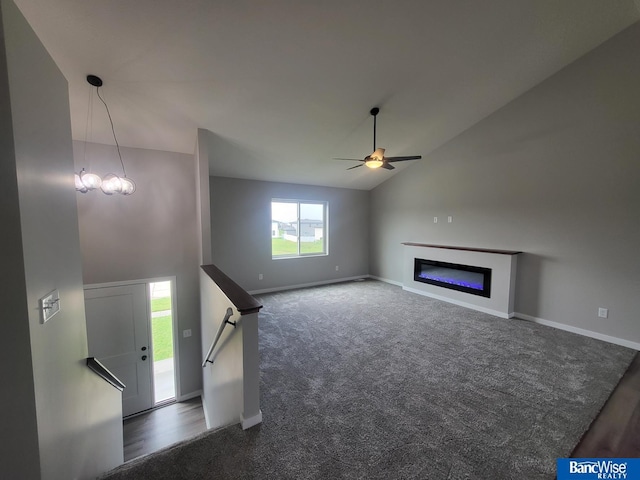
x=159, y=428
x=614, y=433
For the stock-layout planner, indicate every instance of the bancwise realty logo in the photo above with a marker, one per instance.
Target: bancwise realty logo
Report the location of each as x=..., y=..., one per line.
x=598, y=468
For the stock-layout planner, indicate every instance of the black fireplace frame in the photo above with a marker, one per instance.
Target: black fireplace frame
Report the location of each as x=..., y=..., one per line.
x=486, y=273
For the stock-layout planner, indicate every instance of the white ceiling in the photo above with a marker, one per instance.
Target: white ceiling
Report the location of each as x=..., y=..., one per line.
x=285, y=85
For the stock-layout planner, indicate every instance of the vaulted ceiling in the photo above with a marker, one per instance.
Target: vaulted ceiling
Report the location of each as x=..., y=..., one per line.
x=285, y=85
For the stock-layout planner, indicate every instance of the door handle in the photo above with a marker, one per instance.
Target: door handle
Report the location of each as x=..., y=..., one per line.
x=144, y=357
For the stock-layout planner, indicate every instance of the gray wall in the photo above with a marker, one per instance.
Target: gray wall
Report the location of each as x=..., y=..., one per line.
x=555, y=173
x=241, y=233
x=19, y=457
x=45, y=376
x=202, y=195
x=152, y=233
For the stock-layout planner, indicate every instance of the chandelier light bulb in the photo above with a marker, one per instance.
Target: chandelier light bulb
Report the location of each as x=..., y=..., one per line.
x=128, y=186
x=79, y=185
x=90, y=180
x=86, y=182
x=111, y=184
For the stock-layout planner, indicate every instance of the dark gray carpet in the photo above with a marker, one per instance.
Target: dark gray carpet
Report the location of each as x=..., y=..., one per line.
x=364, y=380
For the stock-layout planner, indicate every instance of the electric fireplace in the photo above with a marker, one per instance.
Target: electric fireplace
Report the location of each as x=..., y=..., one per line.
x=463, y=278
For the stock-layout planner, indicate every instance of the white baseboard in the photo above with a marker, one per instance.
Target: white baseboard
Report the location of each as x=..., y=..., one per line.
x=305, y=285
x=207, y=421
x=580, y=331
x=206, y=417
x=251, y=421
x=386, y=280
x=189, y=396
x=458, y=302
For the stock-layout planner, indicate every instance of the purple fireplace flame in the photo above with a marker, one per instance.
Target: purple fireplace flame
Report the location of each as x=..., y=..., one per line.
x=464, y=278
x=452, y=281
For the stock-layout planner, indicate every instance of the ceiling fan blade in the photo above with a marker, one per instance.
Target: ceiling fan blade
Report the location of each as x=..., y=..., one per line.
x=350, y=159
x=351, y=168
x=388, y=166
x=402, y=159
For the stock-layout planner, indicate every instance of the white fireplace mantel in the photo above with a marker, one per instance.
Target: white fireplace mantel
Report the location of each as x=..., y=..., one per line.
x=503, y=265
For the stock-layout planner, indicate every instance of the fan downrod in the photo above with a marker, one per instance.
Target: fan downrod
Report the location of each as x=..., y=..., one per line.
x=374, y=111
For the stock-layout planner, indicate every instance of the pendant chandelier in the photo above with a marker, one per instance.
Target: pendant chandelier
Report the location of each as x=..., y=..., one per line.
x=111, y=183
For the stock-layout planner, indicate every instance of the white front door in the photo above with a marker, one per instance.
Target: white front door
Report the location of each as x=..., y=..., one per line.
x=118, y=336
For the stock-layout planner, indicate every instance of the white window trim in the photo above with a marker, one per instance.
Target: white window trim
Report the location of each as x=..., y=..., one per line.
x=325, y=235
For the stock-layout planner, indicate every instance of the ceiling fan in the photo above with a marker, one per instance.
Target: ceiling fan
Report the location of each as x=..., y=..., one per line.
x=377, y=158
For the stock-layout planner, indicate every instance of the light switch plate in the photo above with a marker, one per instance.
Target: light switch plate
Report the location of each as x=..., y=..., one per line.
x=49, y=306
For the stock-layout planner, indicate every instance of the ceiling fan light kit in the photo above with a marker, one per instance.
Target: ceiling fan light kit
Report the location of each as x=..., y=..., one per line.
x=373, y=163
x=377, y=158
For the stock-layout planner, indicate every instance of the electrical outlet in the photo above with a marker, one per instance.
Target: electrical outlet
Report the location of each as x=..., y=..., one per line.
x=186, y=333
x=603, y=312
x=449, y=219
x=337, y=268
x=260, y=276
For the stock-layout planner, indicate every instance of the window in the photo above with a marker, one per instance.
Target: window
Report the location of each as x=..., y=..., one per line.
x=298, y=228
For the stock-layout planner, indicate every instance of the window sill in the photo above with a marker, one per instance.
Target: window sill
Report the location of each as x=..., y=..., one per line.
x=310, y=255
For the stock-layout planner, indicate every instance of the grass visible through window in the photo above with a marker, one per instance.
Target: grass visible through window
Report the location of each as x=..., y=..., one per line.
x=280, y=246
x=160, y=304
x=162, y=338
x=162, y=329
